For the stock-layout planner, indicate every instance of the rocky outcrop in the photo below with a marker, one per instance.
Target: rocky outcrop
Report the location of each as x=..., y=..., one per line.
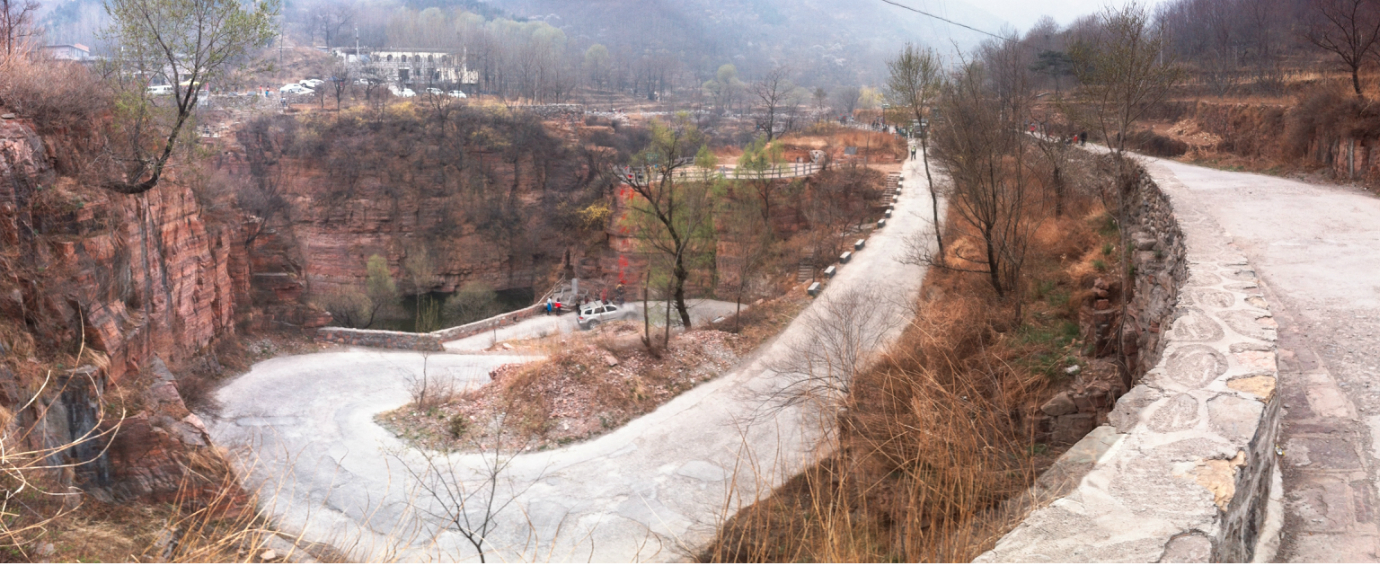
x=120, y=278
x=149, y=455
x=128, y=274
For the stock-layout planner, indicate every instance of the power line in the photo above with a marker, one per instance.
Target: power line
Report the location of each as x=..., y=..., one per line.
x=942, y=19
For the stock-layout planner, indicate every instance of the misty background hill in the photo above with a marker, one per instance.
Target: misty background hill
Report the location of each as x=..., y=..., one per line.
x=822, y=41
x=826, y=36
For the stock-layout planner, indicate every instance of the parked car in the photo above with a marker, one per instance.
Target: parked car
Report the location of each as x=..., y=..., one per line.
x=161, y=90
x=592, y=314
x=311, y=82
x=295, y=89
x=434, y=91
x=457, y=94
x=404, y=93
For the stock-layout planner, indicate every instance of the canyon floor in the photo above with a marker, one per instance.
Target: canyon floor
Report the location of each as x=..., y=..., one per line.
x=302, y=429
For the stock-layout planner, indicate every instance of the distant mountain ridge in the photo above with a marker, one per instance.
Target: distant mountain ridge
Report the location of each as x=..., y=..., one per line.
x=855, y=35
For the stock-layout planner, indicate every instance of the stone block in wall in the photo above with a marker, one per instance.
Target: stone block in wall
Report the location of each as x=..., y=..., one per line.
x=1069, y=429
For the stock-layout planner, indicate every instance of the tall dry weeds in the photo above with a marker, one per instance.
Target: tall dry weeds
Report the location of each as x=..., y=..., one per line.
x=939, y=440
x=934, y=438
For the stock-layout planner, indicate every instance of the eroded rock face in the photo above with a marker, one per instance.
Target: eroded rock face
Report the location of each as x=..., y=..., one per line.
x=135, y=273
x=125, y=277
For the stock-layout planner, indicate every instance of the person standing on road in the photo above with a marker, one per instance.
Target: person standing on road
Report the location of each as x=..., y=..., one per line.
x=548, y=306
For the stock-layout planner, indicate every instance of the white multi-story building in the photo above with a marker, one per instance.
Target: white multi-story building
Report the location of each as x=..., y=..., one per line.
x=73, y=52
x=414, y=67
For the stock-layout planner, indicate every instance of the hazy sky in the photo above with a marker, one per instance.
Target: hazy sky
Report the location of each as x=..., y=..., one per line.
x=1023, y=13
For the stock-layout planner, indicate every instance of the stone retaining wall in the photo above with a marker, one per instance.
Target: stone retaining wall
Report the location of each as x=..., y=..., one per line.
x=1158, y=260
x=472, y=329
x=1186, y=466
x=379, y=339
x=403, y=340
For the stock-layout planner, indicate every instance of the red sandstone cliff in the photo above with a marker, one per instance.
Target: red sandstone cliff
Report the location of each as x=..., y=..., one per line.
x=138, y=274
x=130, y=279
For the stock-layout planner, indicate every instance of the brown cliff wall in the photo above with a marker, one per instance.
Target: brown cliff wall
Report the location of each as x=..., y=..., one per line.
x=135, y=274
x=130, y=281
x=491, y=197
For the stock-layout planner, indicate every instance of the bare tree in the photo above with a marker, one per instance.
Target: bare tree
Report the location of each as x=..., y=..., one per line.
x=341, y=81
x=848, y=98
x=1124, y=71
x=1348, y=29
x=844, y=333
x=374, y=84
x=821, y=100
x=16, y=22
x=759, y=161
x=262, y=194
x=773, y=92
x=188, y=43
x=982, y=145
x=329, y=19
x=261, y=197
x=468, y=498
x=430, y=391
x=747, y=229
x=1056, y=154
x=914, y=83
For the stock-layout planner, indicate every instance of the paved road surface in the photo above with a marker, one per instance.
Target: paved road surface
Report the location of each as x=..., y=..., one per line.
x=701, y=311
x=1316, y=250
x=646, y=491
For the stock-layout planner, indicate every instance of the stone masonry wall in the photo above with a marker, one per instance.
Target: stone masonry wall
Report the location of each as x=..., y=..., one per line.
x=420, y=341
x=401, y=340
x=1189, y=457
x=1159, y=264
x=472, y=329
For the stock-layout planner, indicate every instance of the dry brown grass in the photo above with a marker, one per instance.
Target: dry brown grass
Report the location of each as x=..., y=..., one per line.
x=575, y=393
x=940, y=440
x=588, y=384
x=209, y=519
x=934, y=438
x=833, y=138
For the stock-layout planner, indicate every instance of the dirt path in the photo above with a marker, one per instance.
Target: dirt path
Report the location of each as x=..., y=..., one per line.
x=1316, y=250
x=649, y=491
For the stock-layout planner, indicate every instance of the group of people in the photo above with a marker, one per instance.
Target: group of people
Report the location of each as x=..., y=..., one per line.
x=555, y=307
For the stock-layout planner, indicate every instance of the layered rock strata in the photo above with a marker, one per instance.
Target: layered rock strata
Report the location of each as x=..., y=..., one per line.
x=118, y=278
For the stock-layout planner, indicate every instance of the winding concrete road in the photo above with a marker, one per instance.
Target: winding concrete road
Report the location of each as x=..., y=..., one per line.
x=654, y=489
x=1316, y=250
